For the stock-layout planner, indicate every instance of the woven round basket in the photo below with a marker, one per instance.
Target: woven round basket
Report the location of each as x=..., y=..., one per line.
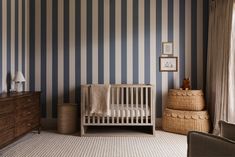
x=184, y=121
x=191, y=100
x=67, y=118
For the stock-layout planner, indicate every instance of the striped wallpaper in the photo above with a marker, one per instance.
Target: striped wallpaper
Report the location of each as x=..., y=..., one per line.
x=74, y=42
x=14, y=41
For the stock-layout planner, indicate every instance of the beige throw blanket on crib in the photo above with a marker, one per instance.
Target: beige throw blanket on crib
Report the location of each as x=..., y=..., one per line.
x=100, y=100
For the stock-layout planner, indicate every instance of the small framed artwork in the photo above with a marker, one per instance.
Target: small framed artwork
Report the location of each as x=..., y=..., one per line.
x=168, y=64
x=167, y=48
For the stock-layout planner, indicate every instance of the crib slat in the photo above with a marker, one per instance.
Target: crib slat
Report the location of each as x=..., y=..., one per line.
x=122, y=102
x=146, y=105
x=136, y=104
x=118, y=104
x=127, y=104
x=132, y=108
x=141, y=101
x=112, y=89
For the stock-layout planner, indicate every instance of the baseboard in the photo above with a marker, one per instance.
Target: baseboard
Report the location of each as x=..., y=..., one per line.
x=49, y=123
x=158, y=123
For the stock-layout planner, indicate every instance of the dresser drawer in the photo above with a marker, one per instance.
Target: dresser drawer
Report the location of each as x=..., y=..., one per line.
x=7, y=122
x=6, y=136
x=6, y=107
x=26, y=126
x=27, y=102
x=27, y=113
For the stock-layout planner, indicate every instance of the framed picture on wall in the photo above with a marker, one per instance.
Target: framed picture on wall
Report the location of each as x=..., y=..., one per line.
x=167, y=48
x=168, y=64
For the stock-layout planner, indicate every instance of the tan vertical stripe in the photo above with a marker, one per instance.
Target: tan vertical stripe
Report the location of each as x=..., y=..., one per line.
x=153, y=41
x=83, y=42
x=176, y=40
x=4, y=44
x=141, y=41
x=49, y=58
x=72, y=50
x=118, y=42
x=27, y=44
x=106, y=41
x=37, y=45
x=129, y=41
x=60, y=51
x=95, y=42
x=188, y=45
x=20, y=35
x=164, y=39
x=12, y=38
x=200, y=44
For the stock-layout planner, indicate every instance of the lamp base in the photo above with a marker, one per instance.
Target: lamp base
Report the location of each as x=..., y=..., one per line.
x=19, y=87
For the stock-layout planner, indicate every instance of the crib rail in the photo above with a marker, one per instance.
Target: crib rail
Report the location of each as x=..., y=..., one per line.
x=129, y=104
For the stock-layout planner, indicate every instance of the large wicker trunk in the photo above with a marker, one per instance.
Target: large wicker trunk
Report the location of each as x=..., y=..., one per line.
x=183, y=121
x=191, y=100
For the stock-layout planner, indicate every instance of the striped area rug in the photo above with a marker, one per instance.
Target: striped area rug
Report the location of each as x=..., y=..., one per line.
x=55, y=145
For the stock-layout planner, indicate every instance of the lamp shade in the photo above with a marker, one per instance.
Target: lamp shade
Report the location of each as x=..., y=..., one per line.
x=19, y=77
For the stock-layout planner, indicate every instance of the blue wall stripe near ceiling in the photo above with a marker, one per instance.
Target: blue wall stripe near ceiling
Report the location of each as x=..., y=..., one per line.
x=170, y=37
x=77, y=49
x=55, y=57
x=147, y=41
x=66, y=51
x=182, y=41
x=112, y=41
x=32, y=46
x=89, y=41
x=101, y=41
x=158, y=49
x=0, y=46
x=8, y=37
x=194, y=44
x=43, y=57
x=205, y=39
x=16, y=33
x=124, y=40
x=135, y=42
x=23, y=38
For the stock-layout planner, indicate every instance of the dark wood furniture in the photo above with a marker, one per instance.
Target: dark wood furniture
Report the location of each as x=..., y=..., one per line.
x=19, y=114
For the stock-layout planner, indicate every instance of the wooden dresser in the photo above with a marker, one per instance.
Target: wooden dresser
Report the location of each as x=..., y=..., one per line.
x=19, y=114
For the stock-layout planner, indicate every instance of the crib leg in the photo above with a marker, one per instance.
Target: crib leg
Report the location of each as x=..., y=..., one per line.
x=83, y=130
x=154, y=130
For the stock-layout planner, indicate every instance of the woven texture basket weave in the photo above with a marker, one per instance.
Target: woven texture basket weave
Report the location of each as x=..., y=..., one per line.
x=67, y=118
x=184, y=121
x=191, y=100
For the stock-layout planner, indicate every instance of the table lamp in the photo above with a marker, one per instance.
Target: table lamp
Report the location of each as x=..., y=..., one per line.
x=19, y=79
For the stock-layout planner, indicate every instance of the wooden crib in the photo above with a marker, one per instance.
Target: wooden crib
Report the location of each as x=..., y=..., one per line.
x=130, y=105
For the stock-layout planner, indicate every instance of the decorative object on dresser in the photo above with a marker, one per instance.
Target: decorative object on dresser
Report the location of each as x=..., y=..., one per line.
x=185, y=112
x=19, y=79
x=19, y=114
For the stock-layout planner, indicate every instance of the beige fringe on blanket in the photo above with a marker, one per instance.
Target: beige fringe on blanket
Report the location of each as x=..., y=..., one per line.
x=100, y=100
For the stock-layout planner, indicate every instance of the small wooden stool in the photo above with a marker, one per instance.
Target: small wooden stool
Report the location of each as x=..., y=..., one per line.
x=67, y=118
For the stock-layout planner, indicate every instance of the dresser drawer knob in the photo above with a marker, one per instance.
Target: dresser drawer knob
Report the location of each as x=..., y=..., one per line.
x=28, y=124
x=28, y=112
x=29, y=100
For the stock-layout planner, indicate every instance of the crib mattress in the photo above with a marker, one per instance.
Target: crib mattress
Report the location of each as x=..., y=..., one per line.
x=127, y=111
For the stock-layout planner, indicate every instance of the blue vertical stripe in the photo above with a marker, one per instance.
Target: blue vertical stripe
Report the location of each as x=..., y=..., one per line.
x=205, y=39
x=43, y=57
x=147, y=41
x=16, y=33
x=112, y=41
x=194, y=45
x=135, y=42
x=77, y=49
x=170, y=37
x=158, y=44
x=8, y=37
x=182, y=41
x=89, y=41
x=32, y=46
x=66, y=51
x=55, y=57
x=1, y=47
x=101, y=41
x=124, y=41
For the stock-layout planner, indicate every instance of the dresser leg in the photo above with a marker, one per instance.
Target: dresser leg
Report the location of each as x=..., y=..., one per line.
x=39, y=130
